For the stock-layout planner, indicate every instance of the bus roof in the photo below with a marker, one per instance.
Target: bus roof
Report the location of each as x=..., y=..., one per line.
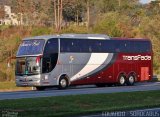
x=71, y=36
x=136, y=39
x=84, y=36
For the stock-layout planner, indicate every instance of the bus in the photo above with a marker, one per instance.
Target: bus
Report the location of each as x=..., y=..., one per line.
x=82, y=59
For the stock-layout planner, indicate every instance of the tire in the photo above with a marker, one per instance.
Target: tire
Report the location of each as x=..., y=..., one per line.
x=122, y=80
x=100, y=85
x=40, y=88
x=130, y=80
x=63, y=83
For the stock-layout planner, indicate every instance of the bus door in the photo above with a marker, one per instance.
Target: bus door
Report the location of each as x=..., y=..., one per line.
x=50, y=56
x=144, y=73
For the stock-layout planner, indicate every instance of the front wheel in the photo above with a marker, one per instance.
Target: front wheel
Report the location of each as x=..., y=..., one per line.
x=63, y=83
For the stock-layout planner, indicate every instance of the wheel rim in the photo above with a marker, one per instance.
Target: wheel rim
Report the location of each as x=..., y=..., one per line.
x=122, y=80
x=63, y=83
x=131, y=79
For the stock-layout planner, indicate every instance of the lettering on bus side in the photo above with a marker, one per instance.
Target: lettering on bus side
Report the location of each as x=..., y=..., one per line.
x=138, y=57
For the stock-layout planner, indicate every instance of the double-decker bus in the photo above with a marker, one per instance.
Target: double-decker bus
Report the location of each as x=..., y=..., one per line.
x=82, y=59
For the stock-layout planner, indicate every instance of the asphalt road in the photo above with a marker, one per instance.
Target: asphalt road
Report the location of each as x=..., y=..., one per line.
x=91, y=89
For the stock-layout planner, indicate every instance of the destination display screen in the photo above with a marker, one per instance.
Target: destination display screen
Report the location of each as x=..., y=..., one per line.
x=31, y=47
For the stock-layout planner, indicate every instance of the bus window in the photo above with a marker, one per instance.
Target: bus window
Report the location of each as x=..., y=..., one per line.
x=27, y=65
x=123, y=46
x=20, y=66
x=143, y=46
x=32, y=67
x=51, y=47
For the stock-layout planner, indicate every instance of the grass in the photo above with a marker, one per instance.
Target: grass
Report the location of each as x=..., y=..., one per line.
x=11, y=86
x=81, y=104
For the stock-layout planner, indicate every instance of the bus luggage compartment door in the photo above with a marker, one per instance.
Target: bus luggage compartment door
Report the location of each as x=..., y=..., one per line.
x=144, y=73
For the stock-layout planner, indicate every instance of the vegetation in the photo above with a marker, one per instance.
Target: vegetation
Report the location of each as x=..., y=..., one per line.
x=81, y=104
x=116, y=18
x=11, y=86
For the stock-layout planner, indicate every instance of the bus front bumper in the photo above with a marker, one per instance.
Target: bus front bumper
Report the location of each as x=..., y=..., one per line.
x=28, y=81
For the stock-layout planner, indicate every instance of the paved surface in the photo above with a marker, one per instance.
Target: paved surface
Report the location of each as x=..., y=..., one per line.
x=91, y=89
x=154, y=112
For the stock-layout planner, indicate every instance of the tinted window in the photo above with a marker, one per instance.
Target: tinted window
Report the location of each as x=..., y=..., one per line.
x=80, y=45
x=94, y=46
x=31, y=47
x=123, y=46
x=110, y=46
x=142, y=46
x=51, y=46
x=70, y=45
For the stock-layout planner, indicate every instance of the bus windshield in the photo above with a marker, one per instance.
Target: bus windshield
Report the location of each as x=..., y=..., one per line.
x=31, y=47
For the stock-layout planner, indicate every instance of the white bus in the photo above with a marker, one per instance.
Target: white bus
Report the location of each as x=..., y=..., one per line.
x=75, y=59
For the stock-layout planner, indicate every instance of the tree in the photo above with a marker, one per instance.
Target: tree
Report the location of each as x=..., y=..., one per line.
x=88, y=13
x=68, y=10
x=21, y=9
x=58, y=7
x=2, y=13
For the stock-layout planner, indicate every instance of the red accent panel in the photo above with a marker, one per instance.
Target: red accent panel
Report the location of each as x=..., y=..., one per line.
x=142, y=68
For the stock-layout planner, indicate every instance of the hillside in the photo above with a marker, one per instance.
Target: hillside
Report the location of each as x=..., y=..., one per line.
x=128, y=19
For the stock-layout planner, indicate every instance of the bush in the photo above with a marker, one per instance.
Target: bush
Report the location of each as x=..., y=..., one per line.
x=3, y=76
x=108, y=24
x=75, y=29
x=41, y=31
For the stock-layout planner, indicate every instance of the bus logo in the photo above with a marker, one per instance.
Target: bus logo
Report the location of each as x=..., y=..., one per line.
x=138, y=57
x=71, y=59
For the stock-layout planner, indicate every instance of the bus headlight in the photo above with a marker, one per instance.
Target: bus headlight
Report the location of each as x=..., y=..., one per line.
x=45, y=77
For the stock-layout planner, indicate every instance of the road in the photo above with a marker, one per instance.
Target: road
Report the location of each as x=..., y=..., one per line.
x=91, y=89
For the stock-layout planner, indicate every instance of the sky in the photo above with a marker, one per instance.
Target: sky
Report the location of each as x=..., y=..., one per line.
x=145, y=1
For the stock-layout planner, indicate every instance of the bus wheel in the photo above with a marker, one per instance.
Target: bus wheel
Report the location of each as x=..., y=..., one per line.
x=122, y=80
x=63, y=83
x=40, y=88
x=131, y=80
x=100, y=85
